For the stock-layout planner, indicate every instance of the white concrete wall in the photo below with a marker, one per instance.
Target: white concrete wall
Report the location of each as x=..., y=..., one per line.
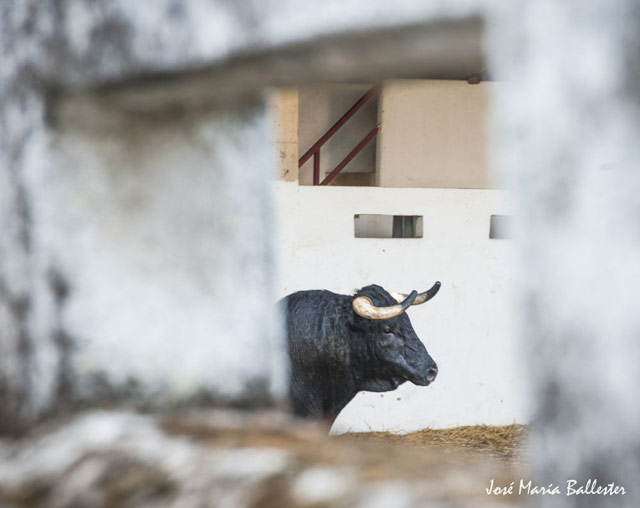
x=466, y=328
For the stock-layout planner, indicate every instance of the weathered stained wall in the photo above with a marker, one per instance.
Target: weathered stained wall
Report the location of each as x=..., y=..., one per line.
x=434, y=134
x=570, y=124
x=125, y=271
x=138, y=230
x=146, y=222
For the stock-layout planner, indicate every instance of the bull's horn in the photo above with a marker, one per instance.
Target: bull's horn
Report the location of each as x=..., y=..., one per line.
x=363, y=306
x=421, y=298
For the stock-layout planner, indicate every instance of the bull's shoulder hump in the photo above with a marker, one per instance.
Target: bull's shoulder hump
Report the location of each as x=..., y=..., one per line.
x=315, y=298
x=313, y=294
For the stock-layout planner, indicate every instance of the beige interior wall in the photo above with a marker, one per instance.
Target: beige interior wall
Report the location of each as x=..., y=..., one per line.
x=284, y=111
x=434, y=133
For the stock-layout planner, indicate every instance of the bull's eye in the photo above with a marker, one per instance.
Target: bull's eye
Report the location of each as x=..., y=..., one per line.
x=387, y=330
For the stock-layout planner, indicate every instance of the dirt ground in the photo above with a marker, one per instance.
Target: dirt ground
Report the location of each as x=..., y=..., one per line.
x=504, y=444
x=235, y=459
x=451, y=466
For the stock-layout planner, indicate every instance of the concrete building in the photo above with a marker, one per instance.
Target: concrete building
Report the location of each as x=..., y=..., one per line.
x=429, y=165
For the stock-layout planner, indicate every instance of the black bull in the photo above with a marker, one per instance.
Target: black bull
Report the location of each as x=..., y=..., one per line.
x=340, y=345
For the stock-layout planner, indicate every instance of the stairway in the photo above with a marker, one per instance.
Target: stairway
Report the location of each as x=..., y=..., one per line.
x=335, y=176
x=355, y=179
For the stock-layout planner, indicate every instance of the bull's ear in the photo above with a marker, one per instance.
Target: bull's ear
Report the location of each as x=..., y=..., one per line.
x=364, y=307
x=421, y=298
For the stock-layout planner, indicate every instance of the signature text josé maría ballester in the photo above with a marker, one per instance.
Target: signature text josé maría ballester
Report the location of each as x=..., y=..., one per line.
x=569, y=488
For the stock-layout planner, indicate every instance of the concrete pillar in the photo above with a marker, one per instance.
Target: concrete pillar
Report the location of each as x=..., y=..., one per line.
x=284, y=112
x=569, y=126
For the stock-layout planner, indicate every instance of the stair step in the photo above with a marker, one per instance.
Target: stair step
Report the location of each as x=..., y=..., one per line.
x=355, y=179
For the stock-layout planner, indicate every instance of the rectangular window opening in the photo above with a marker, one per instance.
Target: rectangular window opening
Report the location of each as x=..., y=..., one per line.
x=500, y=227
x=387, y=226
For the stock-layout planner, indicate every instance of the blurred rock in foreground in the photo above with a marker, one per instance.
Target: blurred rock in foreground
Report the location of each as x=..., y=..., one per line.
x=229, y=459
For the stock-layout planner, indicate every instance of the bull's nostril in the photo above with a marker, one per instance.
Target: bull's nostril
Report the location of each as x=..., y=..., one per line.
x=431, y=374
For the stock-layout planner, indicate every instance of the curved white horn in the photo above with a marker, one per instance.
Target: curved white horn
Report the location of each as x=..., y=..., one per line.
x=364, y=307
x=421, y=298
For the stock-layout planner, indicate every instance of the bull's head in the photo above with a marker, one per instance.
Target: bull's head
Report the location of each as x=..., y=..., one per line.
x=400, y=354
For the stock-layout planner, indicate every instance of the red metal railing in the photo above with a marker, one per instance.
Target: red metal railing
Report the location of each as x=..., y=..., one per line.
x=314, y=151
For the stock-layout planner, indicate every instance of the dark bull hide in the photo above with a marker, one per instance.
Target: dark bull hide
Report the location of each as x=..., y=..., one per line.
x=340, y=345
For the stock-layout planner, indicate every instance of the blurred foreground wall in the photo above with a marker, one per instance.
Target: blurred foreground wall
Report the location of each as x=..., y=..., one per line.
x=135, y=255
x=568, y=141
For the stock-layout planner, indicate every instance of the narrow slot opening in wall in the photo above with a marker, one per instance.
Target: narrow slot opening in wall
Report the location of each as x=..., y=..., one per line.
x=387, y=226
x=500, y=227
